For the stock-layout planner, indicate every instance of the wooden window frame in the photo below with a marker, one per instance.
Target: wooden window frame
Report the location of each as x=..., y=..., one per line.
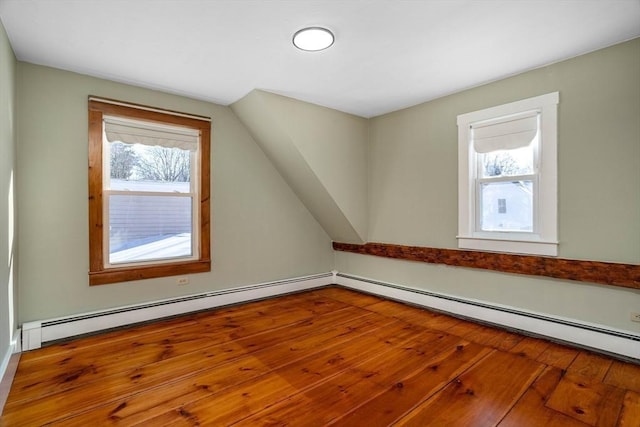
x=98, y=273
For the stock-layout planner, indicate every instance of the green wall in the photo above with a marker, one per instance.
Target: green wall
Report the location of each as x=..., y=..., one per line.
x=321, y=153
x=260, y=229
x=8, y=299
x=413, y=186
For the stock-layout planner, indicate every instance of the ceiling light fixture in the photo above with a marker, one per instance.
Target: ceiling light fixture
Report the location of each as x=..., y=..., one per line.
x=313, y=39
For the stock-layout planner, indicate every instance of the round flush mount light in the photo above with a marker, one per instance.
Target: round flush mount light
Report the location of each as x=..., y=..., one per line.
x=313, y=39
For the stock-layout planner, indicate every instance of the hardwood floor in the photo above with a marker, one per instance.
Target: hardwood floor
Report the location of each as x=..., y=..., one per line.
x=329, y=356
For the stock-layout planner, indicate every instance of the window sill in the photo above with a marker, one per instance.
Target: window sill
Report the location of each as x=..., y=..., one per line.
x=528, y=247
x=127, y=274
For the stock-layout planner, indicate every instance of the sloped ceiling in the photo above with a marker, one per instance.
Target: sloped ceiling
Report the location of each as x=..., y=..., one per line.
x=321, y=153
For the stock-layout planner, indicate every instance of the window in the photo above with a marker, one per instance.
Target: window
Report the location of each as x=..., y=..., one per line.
x=507, y=177
x=148, y=192
x=502, y=206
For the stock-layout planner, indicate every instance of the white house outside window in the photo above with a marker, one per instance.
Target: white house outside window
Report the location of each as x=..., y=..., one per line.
x=507, y=186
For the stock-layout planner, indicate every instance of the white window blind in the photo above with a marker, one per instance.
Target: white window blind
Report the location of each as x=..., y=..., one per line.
x=147, y=133
x=505, y=135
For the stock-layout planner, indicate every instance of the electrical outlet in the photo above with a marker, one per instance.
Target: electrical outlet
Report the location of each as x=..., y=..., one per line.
x=635, y=317
x=182, y=281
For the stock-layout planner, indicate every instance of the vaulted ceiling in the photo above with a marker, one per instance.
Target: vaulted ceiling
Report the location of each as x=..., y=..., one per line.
x=387, y=54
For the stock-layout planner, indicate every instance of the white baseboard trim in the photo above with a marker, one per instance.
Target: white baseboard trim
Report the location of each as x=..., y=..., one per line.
x=39, y=332
x=5, y=360
x=597, y=337
x=17, y=341
x=14, y=347
x=592, y=336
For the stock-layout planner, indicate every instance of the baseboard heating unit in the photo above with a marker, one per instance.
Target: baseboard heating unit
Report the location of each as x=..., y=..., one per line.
x=34, y=334
x=600, y=338
x=590, y=336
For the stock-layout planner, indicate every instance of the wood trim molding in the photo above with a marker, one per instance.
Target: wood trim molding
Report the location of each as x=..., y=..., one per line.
x=98, y=273
x=604, y=273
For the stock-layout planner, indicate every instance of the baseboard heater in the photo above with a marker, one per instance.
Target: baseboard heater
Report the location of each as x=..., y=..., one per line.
x=603, y=339
x=36, y=333
x=590, y=336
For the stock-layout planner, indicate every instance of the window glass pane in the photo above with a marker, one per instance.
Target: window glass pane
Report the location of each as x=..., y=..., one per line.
x=506, y=206
x=123, y=160
x=507, y=162
x=143, y=228
x=137, y=167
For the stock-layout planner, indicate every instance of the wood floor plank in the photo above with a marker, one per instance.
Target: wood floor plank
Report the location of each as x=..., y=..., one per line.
x=440, y=322
x=239, y=402
x=135, y=337
x=464, y=329
x=557, y=355
x=329, y=356
x=358, y=299
x=326, y=402
x=586, y=400
x=630, y=414
x=485, y=335
x=531, y=410
x=401, y=311
x=473, y=398
x=86, y=366
x=530, y=347
x=416, y=315
x=624, y=375
x=590, y=366
x=406, y=392
x=494, y=338
x=610, y=408
x=70, y=401
x=107, y=339
x=582, y=395
x=141, y=406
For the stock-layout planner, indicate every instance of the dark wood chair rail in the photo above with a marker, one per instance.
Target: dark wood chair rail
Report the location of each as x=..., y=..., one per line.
x=605, y=273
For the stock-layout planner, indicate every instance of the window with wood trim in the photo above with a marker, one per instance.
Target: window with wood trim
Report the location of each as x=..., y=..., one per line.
x=148, y=192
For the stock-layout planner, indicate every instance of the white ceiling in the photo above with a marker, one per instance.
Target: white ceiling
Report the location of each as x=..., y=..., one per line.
x=387, y=55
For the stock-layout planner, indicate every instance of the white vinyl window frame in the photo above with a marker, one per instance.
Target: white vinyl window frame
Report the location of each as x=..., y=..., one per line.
x=543, y=240
x=193, y=194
